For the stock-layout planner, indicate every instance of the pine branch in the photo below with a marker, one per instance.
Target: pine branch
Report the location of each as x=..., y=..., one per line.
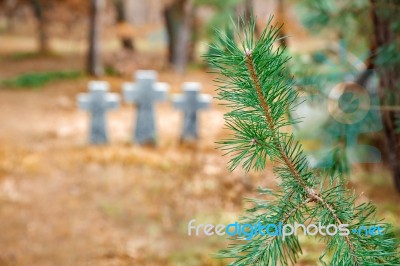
x=256, y=86
x=312, y=195
x=268, y=117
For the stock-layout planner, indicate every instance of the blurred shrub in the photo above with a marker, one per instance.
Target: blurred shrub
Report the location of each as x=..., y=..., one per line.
x=112, y=71
x=18, y=56
x=39, y=79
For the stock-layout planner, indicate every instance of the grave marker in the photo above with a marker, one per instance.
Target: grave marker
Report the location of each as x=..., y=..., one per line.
x=190, y=102
x=97, y=102
x=144, y=93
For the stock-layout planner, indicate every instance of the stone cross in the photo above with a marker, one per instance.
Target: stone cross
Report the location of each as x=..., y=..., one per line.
x=144, y=93
x=97, y=102
x=190, y=102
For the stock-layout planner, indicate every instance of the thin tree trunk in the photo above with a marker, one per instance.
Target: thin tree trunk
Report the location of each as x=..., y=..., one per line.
x=389, y=80
x=126, y=42
x=365, y=75
x=179, y=25
x=170, y=20
x=43, y=38
x=184, y=36
x=10, y=12
x=363, y=78
x=94, y=63
x=249, y=13
x=280, y=10
x=170, y=28
x=246, y=11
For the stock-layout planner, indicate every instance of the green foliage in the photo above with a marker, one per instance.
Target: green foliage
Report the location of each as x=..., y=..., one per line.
x=348, y=20
x=397, y=124
x=256, y=86
x=112, y=71
x=339, y=15
x=352, y=21
x=347, y=54
x=218, y=4
x=223, y=11
x=19, y=56
x=38, y=79
x=326, y=69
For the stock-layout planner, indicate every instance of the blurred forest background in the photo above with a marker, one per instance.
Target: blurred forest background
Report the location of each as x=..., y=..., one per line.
x=65, y=202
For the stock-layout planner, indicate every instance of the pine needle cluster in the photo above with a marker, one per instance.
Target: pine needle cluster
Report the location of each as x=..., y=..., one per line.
x=257, y=88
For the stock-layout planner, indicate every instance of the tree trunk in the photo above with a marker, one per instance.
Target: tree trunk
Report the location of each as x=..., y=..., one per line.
x=249, y=13
x=10, y=8
x=246, y=11
x=126, y=42
x=389, y=79
x=94, y=62
x=179, y=25
x=184, y=36
x=280, y=10
x=39, y=9
x=170, y=28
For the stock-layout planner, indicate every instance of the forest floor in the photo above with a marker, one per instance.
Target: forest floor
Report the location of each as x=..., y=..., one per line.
x=63, y=202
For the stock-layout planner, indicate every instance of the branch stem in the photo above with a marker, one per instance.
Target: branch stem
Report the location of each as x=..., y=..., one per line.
x=311, y=194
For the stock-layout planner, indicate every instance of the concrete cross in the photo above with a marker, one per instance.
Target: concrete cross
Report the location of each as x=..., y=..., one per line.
x=98, y=101
x=144, y=93
x=190, y=102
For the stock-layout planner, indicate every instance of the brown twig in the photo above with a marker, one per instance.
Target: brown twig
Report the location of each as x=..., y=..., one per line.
x=311, y=194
